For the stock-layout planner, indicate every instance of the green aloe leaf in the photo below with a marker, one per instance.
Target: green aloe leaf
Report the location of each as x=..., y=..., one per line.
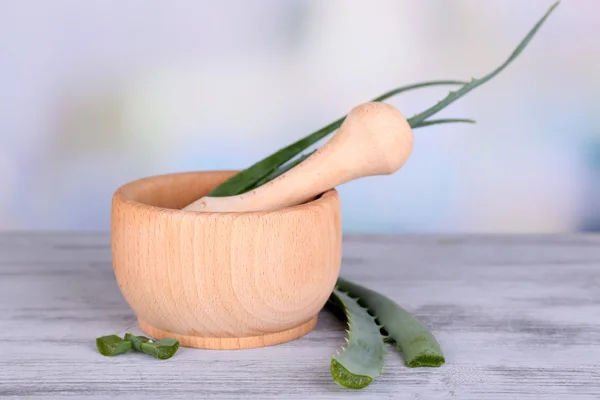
x=291, y=164
x=443, y=121
x=453, y=96
x=136, y=341
x=281, y=170
x=163, y=349
x=364, y=357
x=413, y=86
x=412, y=338
x=112, y=345
x=246, y=179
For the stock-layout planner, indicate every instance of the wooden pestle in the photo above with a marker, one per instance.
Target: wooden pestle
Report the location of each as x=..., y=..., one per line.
x=374, y=139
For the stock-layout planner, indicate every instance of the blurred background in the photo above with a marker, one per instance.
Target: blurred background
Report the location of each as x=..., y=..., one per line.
x=97, y=93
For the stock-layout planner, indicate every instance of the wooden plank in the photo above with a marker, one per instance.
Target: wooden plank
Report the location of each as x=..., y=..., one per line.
x=517, y=316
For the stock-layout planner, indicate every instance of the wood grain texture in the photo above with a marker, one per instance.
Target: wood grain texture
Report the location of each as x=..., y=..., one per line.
x=374, y=139
x=518, y=318
x=222, y=280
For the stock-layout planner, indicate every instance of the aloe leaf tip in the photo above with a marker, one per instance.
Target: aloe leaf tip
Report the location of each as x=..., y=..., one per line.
x=474, y=83
x=363, y=359
x=426, y=360
x=347, y=379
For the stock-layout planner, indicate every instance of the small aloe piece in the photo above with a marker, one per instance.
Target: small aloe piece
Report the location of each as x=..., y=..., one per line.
x=412, y=338
x=364, y=357
x=453, y=96
x=162, y=349
x=136, y=341
x=112, y=345
x=245, y=180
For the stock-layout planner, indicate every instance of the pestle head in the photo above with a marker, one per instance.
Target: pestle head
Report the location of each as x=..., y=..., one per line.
x=377, y=135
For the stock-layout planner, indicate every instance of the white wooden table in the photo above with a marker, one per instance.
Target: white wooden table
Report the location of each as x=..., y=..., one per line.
x=517, y=317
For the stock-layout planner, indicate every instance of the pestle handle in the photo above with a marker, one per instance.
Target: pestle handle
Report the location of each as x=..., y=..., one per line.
x=374, y=139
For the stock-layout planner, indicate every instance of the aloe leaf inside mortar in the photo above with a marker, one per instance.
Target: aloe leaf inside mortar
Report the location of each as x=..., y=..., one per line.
x=247, y=179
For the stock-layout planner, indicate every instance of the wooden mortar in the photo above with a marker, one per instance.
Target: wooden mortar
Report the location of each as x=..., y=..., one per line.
x=222, y=280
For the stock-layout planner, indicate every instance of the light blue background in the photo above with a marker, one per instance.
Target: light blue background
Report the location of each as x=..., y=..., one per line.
x=98, y=93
